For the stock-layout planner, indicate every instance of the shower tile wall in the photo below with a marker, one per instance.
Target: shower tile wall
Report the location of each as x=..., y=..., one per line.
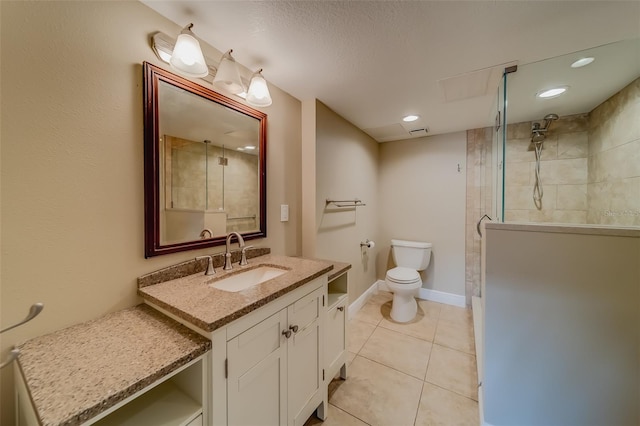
x=563, y=172
x=614, y=159
x=479, y=202
x=233, y=188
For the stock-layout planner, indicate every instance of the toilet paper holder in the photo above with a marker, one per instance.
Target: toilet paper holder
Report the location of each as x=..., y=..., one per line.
x=367, y=243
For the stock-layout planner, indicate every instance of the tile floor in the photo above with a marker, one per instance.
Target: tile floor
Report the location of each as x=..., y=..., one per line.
x=418, y=373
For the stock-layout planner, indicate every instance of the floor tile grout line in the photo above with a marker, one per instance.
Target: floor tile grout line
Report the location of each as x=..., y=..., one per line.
x=415, y=418
x=393, y=368
x=450, y=390
x=351, y=414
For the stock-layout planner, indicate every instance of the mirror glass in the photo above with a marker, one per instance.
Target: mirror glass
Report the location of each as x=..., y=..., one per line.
x=205, y=157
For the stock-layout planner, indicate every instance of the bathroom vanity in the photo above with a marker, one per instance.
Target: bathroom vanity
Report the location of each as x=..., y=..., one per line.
x=261, y=355
x=268, y=339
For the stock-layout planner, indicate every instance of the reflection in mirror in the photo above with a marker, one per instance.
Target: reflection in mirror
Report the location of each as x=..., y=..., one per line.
x=208, y=172
x=589, y=162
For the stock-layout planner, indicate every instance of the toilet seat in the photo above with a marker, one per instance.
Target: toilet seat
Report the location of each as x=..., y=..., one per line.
x=402, y=275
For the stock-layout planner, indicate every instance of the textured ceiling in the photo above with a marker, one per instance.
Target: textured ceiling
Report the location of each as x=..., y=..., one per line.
x=374, y=62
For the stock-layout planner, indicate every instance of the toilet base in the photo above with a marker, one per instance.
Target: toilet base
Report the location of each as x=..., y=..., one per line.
x=404, y=307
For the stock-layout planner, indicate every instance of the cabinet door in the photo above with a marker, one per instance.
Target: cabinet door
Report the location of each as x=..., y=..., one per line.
x=336, y=342
x=305, y=371
x=257, y=363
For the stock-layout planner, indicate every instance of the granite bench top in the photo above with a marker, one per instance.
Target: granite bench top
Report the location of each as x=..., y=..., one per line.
x=193, y=300
x=76, y=373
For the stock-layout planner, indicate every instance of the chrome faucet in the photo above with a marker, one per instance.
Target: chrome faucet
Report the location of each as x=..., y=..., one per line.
x=227, y=254
x=210, y=269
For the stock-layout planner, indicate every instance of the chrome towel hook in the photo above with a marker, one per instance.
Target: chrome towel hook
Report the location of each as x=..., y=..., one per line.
x=35, y=309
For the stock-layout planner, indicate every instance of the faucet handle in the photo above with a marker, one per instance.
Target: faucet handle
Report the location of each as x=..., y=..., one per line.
x=243, y=257
x=210, y=269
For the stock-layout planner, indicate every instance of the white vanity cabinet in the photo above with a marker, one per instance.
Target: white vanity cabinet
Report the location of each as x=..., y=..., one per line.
x=271, y=363
x=336, y=328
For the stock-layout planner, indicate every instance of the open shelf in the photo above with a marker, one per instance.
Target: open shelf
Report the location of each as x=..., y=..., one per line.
x=335, y=298
x=164, y=405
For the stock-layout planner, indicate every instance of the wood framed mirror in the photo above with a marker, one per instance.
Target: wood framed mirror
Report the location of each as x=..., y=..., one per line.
x=204, y=165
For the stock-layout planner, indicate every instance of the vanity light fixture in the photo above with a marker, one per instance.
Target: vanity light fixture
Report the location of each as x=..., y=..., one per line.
x=583, y=62
x=258, y=94
x=228, y=77
x=250, y=147
x=552, y=93
x=410, y=118
x=240, y=148
x=225, y=77
x=187, y=56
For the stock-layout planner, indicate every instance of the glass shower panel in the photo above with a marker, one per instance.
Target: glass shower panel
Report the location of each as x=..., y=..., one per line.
x=572, y=158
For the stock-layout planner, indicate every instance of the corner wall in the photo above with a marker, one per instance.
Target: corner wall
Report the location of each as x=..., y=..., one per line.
x=72, y=164
x=422, y=198
x=346, y=168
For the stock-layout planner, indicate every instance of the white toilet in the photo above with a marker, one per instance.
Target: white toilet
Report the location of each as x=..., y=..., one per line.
x=404, y=280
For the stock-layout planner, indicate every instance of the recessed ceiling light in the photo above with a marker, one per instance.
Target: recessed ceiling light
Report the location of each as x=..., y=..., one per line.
x=249, y=147
x=552, y=93
x=582, y=62
x=410, y=118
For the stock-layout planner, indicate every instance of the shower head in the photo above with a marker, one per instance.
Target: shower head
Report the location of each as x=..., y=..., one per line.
x=537, y=136
x=548, y=119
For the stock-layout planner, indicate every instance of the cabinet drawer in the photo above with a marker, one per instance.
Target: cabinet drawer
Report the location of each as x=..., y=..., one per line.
x=305, y=310
x=336, y=339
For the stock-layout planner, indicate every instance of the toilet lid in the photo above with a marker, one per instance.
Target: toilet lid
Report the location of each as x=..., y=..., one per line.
x=403, y=275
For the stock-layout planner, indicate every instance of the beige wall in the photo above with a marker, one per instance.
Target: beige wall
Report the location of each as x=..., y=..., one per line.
x=614, y=159
x=346, y=168
x=72, y=164
x=422, y=197
x=562, y=327
x=563, y=171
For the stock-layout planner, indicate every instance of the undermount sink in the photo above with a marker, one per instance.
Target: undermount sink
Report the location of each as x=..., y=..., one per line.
x=249, y=278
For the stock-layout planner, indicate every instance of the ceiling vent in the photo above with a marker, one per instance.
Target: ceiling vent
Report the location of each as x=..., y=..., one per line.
x=419, y=132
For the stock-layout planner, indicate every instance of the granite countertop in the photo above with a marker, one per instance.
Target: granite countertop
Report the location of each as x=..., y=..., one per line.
x=339, y=268
x=191, y=299
x=79, y=372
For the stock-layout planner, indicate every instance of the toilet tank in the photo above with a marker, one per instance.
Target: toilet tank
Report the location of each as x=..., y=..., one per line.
x=411, y=254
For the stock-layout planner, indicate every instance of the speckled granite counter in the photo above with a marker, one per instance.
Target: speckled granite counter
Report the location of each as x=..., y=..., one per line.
x=339, y=268
x=192, y=299
x=79, y=372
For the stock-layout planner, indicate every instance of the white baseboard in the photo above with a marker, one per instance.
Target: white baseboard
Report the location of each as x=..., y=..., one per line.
x=433, y=295
x=360, y=301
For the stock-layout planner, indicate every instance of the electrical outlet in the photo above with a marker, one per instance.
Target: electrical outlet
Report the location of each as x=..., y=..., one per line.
x=284, y=213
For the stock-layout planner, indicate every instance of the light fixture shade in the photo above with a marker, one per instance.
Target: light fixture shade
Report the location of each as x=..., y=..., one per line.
x=258, y=94
x=187, y=56
x=228, y=77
